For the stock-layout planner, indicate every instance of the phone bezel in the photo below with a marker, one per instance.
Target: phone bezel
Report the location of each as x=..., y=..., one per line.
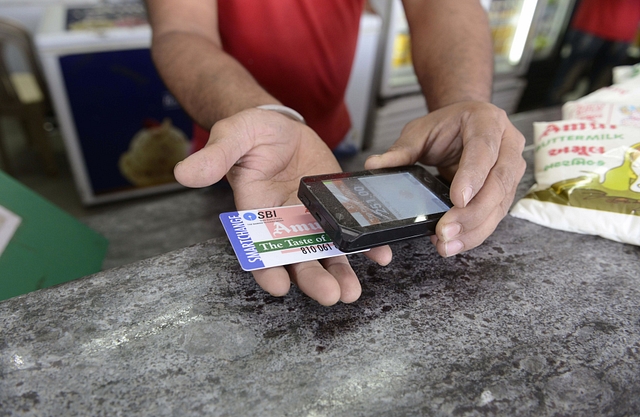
x=347, y=234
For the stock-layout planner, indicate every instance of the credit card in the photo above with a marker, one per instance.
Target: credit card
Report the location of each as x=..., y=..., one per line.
x=270, y=237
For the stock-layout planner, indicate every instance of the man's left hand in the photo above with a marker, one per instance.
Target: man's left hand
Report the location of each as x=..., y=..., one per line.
x=474, y=145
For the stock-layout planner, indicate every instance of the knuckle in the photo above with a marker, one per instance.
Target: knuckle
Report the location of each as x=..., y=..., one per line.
x=522, y=168
x=505, y=206
x=505, y=179
x=519, y=140
x=501, y=114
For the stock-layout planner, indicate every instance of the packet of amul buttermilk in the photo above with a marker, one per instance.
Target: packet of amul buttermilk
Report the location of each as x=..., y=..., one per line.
x=626, y=73
x=627, y=92
x=618, y=104
x=587, y=179
x=608, y=113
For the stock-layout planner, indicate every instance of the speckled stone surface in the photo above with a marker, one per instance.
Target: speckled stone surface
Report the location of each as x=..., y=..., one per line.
x=535, y=322
x=149, y=227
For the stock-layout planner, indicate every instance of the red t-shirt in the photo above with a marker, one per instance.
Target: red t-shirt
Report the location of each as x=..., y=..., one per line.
x=300, y=51
x=613, y=20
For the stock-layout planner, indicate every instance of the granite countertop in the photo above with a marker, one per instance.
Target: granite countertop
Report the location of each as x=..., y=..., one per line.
x=533, y=322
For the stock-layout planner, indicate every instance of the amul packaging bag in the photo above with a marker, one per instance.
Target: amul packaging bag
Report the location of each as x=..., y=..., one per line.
x=608, y=113
x=625, y=73
x=627, y=92
x=618, y=105
x=587, y=179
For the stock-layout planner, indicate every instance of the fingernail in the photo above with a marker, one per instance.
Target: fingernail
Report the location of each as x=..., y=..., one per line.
x=467, y=192
x=450, y=231
x=371, y=163
x=453, y=248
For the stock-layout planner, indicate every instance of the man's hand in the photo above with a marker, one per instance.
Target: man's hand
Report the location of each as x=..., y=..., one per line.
x=475, y=144
x=264, y=154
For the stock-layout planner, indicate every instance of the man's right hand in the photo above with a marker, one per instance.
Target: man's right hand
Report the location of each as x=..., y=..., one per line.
x=264, y=154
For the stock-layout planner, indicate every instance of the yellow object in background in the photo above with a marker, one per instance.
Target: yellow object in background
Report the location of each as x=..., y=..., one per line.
x=401, y=51
x=152, y=154
x=26, y=87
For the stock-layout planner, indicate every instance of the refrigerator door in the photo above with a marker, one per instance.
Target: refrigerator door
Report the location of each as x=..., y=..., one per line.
x=512, y=28
x=359, y=92
x=551, y=27
x=398, y=76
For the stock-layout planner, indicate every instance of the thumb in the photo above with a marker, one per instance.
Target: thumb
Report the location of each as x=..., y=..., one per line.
x=211, y=163
x=407, y=149
x=402, y=152
x=394, y=157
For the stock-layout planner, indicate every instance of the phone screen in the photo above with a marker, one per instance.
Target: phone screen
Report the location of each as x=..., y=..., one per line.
x=384, y=198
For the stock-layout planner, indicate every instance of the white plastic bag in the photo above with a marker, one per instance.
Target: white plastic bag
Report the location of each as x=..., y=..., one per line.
x=587, y=179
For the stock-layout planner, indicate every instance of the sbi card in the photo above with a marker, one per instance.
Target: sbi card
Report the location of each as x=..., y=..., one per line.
x=276, y=236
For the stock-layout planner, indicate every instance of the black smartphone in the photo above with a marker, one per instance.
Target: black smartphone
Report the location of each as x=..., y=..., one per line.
x=364, y=209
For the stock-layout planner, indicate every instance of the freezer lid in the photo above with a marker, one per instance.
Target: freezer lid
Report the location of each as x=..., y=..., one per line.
x=76, y=29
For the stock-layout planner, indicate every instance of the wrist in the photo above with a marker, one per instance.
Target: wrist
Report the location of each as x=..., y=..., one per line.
x=284, y=110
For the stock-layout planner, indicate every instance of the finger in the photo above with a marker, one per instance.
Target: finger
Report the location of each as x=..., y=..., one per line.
x=275, y=280
x=498, y=191
x=382, y=255
x=339, y=267
x=466, y=239
x=315, y=281
x=480, y=157
x=208, y=165
x=394, y=157
x=462, y=229
x=405, y=151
